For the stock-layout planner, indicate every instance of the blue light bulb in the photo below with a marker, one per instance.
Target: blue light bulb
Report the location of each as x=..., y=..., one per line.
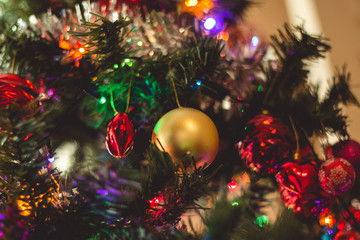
x=254, y=41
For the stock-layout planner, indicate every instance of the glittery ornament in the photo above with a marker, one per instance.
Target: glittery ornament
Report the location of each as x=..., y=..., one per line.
x=186, y=131
x=348, y=150
x=300, y=189
x=336, y=176
x=355, y=212
x=15, y=90
x=268, y=144
x=347, y=235
x=120, y=136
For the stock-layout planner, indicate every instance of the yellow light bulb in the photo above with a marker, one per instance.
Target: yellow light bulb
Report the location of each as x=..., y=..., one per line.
x=191, y=3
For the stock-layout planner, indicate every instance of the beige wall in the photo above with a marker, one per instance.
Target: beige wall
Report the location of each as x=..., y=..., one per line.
x=340, y=21
x=267, y=16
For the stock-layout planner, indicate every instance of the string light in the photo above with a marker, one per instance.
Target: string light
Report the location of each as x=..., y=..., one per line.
x=232, y=185
x=262, y=220
x=327, y=219
x=24, y=207
x=102, y=100
x=254, y=41
x=191, y=3
x=210, y=23
x=223, y=35
x=51, y=159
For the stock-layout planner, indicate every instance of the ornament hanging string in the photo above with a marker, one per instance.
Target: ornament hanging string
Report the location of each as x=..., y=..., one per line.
x=173, y=84
x=13, y=64
x=112, y=100
x=296, y=155
x=318, y=162
x=128, y=96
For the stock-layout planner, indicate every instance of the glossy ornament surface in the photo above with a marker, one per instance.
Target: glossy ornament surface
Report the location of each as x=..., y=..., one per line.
x=15, y=90
x=300, y=189
x=348, y=150
x=268, y=144
x=120, y=136
x=187, y=131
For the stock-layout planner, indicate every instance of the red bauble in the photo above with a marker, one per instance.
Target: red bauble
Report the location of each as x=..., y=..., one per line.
x=348, y=150
x=347, y=235
x=355, y=212
x=268, y=144
x=300, y=189
x=120, y=136
x=15, y=90
x=336, y=176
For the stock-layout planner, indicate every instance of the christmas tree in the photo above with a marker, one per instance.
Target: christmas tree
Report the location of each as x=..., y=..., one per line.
x=164, y=119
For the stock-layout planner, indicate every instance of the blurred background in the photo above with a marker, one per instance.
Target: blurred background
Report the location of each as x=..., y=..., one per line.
x=339, y=21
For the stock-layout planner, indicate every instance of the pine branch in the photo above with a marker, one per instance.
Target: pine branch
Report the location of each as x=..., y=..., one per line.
x=287, y=91
x=200, y=59
x=25, y=178
x=182, y=189
x=106, y=41
x=293, y=48
x=340, y=90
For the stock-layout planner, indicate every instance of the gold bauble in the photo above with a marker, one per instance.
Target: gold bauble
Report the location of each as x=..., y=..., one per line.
x=187, y=131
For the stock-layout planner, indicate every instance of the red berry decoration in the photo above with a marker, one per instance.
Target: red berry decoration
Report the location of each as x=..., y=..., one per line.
x=268, y=144
x=15, y=90
x=120, y=136
x=348, y=150
x=336, y=176
x=300, y=189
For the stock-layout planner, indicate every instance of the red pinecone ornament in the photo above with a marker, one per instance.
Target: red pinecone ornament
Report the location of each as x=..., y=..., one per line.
x=268, y=144
x=336, y=176
x=348, y=150
x=15, y=90
x=300, y=189
x=120, y=136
